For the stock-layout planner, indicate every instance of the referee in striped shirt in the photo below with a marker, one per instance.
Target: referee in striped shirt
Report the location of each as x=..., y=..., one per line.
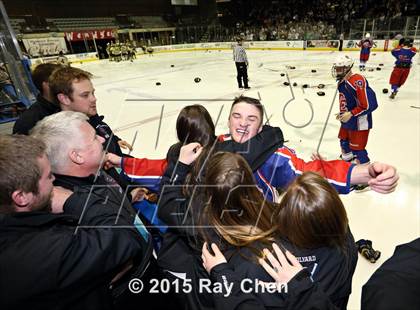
x=241, y=62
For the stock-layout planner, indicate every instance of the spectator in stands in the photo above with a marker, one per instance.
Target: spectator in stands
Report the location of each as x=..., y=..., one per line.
x=45, y=104
x=50, y=260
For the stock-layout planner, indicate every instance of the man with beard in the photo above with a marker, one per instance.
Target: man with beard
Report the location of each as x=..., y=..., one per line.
x=62, y=255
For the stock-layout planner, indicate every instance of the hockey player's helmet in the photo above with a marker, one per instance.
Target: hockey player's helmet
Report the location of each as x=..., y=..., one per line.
x=341, y=66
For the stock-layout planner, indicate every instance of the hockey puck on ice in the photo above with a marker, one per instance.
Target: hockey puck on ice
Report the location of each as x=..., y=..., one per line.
x=294, y=84
x=291, y=67
x=321, y=93
x=305, y=86
x=313, y=70
x=380, y=65
x=282, y=74
x=158, y=83
x=378, y=69
x=385, y=90
x=172, y=66
x=374, y=54
x=197, y=80
x=371, y=69
x=321, y=85
x=286, y=83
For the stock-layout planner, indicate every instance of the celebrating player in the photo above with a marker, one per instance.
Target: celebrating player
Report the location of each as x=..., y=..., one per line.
x=403, y=54
x=366, y=44
x=357, y=102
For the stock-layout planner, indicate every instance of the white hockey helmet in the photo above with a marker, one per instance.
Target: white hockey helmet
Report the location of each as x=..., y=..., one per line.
x=341, y=66
x=367, y=35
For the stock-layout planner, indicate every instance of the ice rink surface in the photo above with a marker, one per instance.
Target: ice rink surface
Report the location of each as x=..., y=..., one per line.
x=131, y=102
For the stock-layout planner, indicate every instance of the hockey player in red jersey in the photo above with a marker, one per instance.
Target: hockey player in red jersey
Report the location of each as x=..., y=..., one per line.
x=357, y=102
x=366, y=44
x=403, y=54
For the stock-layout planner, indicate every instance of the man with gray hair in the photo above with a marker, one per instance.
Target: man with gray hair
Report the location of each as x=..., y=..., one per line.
x=76, y=155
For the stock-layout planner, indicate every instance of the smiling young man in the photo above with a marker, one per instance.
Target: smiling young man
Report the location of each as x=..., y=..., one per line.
x=246, y=120
x=73, y=90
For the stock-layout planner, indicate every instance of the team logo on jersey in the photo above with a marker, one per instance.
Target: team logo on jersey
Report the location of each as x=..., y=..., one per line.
x=359, y=83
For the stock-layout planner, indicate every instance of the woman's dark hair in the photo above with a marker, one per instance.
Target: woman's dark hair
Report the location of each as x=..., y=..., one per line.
x=194, y=124
x=236, y=208
x=311, y=214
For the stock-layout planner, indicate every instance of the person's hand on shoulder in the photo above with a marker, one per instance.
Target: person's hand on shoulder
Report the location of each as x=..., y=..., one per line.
x=210, y=260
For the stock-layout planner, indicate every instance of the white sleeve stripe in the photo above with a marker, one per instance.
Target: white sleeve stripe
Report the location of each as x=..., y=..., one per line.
x=133, y=176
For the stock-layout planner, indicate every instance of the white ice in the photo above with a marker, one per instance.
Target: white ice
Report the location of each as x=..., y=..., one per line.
x=387, y=220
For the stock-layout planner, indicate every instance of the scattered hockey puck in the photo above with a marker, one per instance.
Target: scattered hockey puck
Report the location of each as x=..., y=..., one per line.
x=197, y=80
x=385, y=90
x=378, y=69
x=291, y=67
x=282, y=74
x=172, y=66
x=321, y=93
x=374, y=54
x=294, y=84
x=371, y=69
x=313, y=70
x=158, y=84
x=305, y=86
x=381, y=65
x=321, y=86
x=286, y=83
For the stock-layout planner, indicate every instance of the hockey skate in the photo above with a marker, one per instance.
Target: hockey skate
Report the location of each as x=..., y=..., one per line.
x=393, y=94
x=365, y=248
x=348, y=157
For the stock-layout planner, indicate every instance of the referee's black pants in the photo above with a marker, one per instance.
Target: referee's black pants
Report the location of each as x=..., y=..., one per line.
x=242, y=74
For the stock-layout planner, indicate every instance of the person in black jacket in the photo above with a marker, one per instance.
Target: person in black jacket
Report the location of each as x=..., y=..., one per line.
x=395, y=284
x=50, y=255
x=45, y=104
x=76, y=154
x=310, y=222
x=180, y=248
x=250, y=222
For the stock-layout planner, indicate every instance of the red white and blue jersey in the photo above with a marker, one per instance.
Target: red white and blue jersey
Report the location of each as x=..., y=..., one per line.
x=145, y=172
x=403, y=56
x=356, y=96
x=366, y=45
x=283, y=166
